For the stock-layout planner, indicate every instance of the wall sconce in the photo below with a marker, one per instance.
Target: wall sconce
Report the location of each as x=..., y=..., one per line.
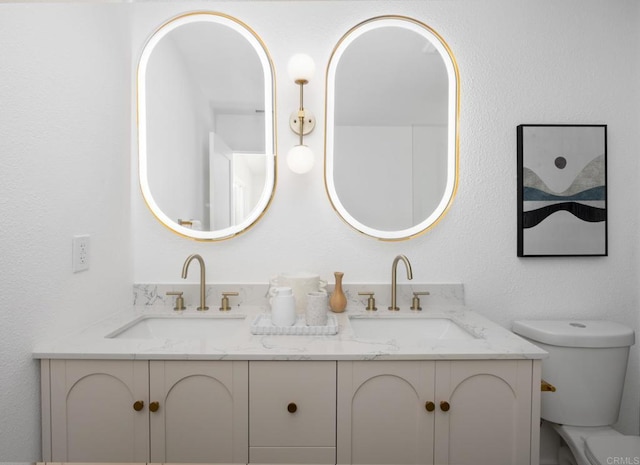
x=300, y=158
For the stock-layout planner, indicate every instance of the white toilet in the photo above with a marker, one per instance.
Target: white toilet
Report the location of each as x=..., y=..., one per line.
x=587, y=364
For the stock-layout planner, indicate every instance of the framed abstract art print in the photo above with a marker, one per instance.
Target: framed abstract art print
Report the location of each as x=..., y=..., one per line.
x=562, y=190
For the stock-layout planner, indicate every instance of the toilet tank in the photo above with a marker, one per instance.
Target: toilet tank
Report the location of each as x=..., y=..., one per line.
x=587, y=364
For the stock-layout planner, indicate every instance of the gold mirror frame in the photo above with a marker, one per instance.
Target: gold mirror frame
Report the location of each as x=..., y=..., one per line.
x=270, y=126
x=452, y=130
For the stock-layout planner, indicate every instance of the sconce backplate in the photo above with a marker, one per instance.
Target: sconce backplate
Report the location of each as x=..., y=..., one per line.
x=307, y=127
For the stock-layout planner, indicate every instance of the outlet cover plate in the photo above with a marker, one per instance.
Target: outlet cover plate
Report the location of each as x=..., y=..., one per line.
x=81, y=253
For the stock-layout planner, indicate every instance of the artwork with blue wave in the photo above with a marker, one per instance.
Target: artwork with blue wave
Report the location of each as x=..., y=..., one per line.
x=562, y=190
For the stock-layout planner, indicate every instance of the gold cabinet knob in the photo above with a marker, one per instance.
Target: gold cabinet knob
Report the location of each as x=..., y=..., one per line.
x=430, y=406
x=154, y=406
x=138, y=405
x=444, y=406
x=292, y=407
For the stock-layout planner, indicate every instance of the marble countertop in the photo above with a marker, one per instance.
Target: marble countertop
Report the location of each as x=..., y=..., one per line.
x=490, y=341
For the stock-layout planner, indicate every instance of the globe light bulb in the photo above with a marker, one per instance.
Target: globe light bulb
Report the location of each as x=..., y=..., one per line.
x=301, y=67
x=300, y=159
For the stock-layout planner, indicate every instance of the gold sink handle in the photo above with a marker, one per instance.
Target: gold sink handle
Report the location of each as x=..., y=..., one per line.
x=415, y=302
x=224, y=303
x=371, y=301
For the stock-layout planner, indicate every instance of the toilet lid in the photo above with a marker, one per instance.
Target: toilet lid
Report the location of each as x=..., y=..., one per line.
x=613, y=449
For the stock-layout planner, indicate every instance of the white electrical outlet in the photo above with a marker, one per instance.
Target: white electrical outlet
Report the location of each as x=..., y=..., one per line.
x=80, y=253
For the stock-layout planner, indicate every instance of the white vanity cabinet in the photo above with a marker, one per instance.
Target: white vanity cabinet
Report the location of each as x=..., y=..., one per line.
x=461, y=412
x=142, y=411
x=292, y=411
x=444, y=412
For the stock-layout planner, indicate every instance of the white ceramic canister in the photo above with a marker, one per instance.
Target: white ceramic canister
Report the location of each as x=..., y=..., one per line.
x=301, y=283
x=317, y=308
x=283, y=306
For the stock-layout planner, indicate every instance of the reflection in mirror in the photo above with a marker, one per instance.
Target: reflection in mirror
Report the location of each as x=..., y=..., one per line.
x=205, y=126
x=391, y=149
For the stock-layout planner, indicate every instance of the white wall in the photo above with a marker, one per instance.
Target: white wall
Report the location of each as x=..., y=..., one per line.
x=64, y=170
x=525, y=61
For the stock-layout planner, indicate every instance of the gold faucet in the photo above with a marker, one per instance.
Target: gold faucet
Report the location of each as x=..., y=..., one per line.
x=394, y=270
x=185, y=268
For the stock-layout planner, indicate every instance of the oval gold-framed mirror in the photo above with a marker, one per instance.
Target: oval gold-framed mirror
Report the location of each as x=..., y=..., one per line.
x=206, y=126
x=391, y=127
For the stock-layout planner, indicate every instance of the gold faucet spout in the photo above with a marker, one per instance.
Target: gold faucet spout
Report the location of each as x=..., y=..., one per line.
x=394, y=271
x=185, y=269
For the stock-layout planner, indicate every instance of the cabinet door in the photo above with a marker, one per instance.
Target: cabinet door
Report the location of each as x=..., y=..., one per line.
x=489, y=415
x=201, y=413
x=382, y=414
x=292, y=407
x=92, y=411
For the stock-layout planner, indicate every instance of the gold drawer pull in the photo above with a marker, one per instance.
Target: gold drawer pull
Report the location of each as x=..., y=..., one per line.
x=430, y=406
x=546, y=386
x=154, y=406
x=292, y=407
x=138, y=405
x=444, y=406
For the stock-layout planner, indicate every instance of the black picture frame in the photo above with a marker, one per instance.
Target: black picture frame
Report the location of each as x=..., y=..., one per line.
x=562, y=190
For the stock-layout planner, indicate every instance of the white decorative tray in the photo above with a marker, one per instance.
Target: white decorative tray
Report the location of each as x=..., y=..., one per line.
x=262, y=325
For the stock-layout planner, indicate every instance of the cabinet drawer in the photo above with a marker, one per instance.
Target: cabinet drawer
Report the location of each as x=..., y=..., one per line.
x=292, y=404
x=297, y=455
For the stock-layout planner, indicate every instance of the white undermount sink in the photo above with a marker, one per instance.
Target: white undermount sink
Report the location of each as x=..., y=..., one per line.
x=408, y=330
x=172, y=327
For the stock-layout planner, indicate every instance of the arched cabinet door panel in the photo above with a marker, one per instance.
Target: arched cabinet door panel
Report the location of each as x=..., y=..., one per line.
x=93, y=417
x=382, y=415
x=489, y=415
x=202, y=411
